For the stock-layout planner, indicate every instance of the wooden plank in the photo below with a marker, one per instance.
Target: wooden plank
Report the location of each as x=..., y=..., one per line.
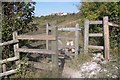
x=40, y=51
x=1, y=35
x=8, y=72
x=106, y=38
x=9, y=59
x=86, y=36
x=95, y=34
x=112, y=24
x=36, y=37
x=76, y=42
x=16, y=46
x=95, y=22
x=47, y=33
x=9, y=42
x=55, y=64
x=95, y=47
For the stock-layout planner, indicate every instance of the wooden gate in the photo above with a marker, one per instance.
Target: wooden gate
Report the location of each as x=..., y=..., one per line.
x=105, y=34
x=76, y=38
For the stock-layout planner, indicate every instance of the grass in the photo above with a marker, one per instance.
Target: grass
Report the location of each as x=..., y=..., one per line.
x=82, y=58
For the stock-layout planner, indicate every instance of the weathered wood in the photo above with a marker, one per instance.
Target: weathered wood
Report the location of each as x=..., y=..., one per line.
x=40, y=51
x=55, y=65
x=9, y=59
x=95, y=22
x=9, y=42
x=95, y=34
x=1, y=35
x=95, y=47
x=76, y=41
x=112, y=24
x=8, y=72
x=106, y=37
x=36, y=37
x=16, y=46
x=47, y=33
x=4, y=69
x=86, y=36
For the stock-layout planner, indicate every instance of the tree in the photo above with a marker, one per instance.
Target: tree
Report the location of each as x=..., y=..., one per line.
x=17, y=16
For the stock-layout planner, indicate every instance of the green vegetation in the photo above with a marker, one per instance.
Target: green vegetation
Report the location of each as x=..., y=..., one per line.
x=20, y=17
x=96, y=11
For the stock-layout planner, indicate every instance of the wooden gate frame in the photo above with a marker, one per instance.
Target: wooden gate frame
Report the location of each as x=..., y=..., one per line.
x=77, y=36
x=105, y=34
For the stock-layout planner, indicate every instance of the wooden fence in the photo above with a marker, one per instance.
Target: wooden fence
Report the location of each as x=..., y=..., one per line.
x=105, y=34
x=53, y=37
x=17, y=50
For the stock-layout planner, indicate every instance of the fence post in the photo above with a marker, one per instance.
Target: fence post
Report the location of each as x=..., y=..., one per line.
x=0, y=36
x=47, y=33
x=106, y=37
x=76, y=41
x=55, y=65
x=86, y=36
x=16, y=46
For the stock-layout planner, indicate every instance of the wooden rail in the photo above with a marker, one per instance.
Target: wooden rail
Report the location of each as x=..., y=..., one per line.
x=41, y=51
x=8, y=72
x=36, y=37
x=9, y=42
x=112, y=24
x=8, y=60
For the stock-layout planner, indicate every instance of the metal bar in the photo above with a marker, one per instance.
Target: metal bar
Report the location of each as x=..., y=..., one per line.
x=95, y=47
x=95, y=34
x=95, y=22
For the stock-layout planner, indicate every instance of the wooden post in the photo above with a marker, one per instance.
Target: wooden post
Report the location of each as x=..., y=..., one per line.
x=16, y=46
x=76, y=41
x=47, y=33
x=106, y=37
x=86, y=36
x=55, y=64
x=0, y=36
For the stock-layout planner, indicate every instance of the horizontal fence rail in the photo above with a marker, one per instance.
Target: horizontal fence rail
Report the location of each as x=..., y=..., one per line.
x=41, y=51
x=95, y=47
x=8, y=72
x=112, y=24
x=9, y=42
x=95, y=22
x=95, y=34
x=8, y=60
x=36, y=37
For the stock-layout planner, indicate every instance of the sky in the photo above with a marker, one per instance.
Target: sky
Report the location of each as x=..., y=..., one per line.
x=46, y=8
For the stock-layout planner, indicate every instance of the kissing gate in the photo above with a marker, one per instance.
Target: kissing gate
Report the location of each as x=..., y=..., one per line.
x=54, y=50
